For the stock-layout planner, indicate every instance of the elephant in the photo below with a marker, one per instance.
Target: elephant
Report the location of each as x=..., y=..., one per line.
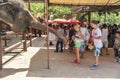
x=18, y=17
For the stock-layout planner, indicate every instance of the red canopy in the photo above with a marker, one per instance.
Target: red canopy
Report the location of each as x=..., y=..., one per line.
x=60, y=21
x=63, y=21
x=73, y=21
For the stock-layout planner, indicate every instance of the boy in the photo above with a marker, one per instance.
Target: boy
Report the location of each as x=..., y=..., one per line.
x=117, y=47
x=97, y=39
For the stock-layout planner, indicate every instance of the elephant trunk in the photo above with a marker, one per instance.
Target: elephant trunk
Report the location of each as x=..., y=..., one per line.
x=39, y=26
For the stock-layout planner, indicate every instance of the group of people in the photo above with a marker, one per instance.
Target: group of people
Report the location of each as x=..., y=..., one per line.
x=82, y=39
x=81, y=35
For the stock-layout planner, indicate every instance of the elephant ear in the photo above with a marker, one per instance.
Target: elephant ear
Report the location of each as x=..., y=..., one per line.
x=9, y=10
x=4, y=15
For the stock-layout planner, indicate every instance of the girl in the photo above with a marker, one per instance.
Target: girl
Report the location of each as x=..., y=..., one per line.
x=78, y=38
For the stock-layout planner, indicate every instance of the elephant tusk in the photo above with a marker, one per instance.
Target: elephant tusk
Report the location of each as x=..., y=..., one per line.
x=11, y=25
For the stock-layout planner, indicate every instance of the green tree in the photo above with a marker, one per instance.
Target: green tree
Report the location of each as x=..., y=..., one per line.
x=37, y=8
x=60, y=11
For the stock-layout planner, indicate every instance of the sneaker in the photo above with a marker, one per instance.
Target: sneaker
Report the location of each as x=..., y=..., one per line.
x=116, y=60
x=94, y=67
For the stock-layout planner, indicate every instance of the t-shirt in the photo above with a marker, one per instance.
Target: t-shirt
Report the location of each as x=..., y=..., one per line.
x=97, y=42
x=51, y=36
x=78, y=38
x=60, y=31
x=85, y=33
x=105, y=34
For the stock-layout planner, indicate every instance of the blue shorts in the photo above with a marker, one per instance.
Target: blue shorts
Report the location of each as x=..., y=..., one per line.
x=97, y=51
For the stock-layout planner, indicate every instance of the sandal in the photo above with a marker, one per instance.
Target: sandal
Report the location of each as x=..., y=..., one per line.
x=77, y=62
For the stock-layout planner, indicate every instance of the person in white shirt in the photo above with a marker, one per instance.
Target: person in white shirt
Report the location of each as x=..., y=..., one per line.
x=97, y=39
x=86, y=35
x=105, y=38
x=51, y=38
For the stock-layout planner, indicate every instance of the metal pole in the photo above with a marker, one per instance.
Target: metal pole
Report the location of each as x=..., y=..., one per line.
x=1, y=52
x=46, y=20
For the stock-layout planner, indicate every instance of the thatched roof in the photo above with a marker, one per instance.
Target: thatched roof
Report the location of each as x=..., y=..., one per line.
x=86, y=5
x=82, y=2
x=85, y=2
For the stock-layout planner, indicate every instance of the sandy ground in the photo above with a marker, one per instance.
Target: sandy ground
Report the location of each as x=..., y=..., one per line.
x=32, y=65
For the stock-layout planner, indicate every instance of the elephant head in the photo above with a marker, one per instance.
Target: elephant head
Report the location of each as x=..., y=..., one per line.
x=15, y=14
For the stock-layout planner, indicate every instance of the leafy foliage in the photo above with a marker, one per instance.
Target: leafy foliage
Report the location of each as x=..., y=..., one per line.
x=36, y=8
x=111, y=18
x=60, y=11
x=55, y=11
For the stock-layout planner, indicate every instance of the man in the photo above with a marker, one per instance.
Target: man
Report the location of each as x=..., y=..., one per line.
x=97, y=39
x=105, y=38
x=59, y=40
x=86, y=35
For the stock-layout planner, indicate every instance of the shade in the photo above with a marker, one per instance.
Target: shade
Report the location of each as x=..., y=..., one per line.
x=85, y=2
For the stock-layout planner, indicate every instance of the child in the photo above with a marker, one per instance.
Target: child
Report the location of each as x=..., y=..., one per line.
x=117, y=47
x=78, y=38
x=97, y=39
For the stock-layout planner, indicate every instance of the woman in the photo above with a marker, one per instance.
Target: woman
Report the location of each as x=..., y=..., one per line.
x=78, y=38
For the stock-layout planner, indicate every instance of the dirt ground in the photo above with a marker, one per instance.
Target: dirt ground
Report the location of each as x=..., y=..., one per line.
x=32, y=65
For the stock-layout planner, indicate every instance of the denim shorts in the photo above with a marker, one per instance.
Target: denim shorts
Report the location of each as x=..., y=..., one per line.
x=83, y=46
x=97, y=51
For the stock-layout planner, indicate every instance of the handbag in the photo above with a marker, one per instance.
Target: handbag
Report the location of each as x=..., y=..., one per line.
x=90, y=46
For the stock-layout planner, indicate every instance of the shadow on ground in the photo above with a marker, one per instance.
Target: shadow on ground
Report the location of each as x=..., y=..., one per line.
x=10, y=71
x=62, y=66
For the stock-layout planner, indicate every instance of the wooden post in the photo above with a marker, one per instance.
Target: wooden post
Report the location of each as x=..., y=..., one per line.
x=30, y=29
x=5, y=39
x=1, y=52
x=29, y=5
x=46, y=20
x=24, y=43
x=30, y=36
